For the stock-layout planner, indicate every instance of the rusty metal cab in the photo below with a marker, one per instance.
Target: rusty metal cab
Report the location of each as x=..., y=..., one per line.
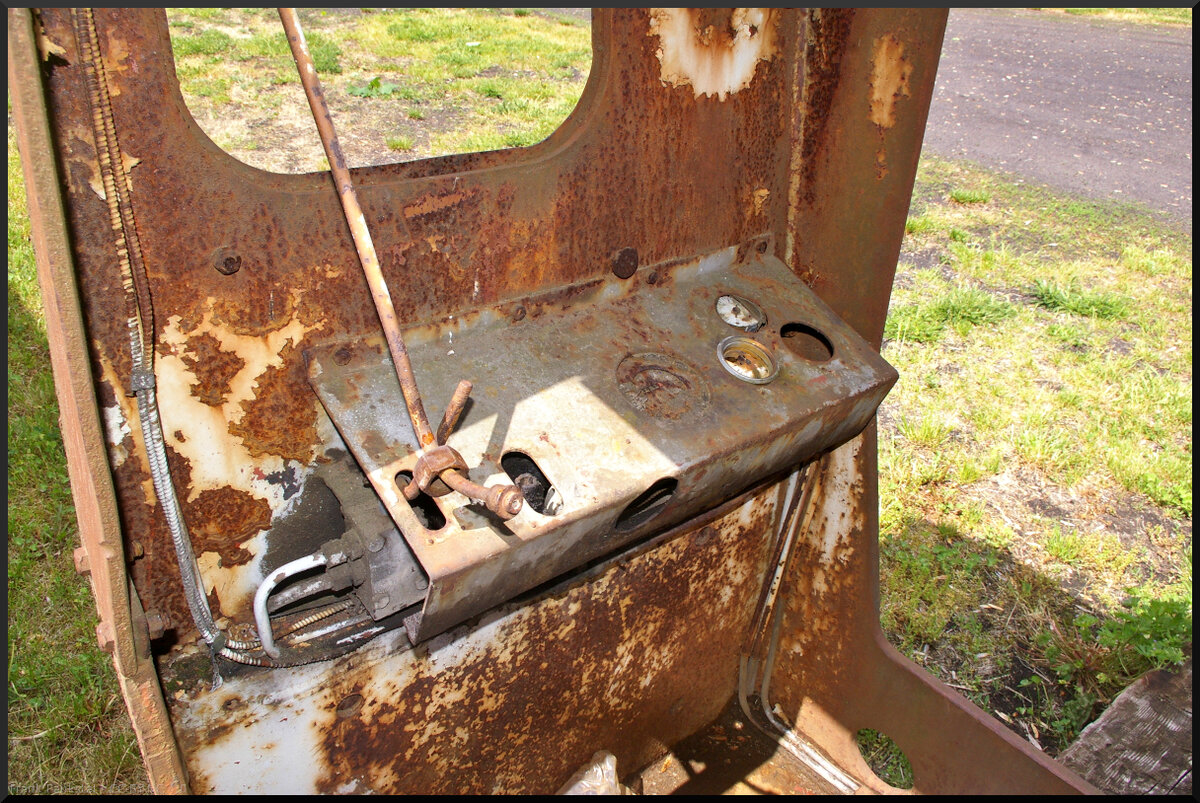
x=671, y=311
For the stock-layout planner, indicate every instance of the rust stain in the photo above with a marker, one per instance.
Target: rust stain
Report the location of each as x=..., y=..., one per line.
x=715, y=51
x=223, y=519
x=277, y=422
x=219, y=365
x=518, y=710
x=433, y=203
x=890, y=71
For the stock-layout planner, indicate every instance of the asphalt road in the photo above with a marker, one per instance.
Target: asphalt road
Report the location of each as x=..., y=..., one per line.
x=1094, y=107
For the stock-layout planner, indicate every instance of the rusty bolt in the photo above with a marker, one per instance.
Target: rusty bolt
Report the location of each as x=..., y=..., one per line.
x=226, y=262
x=157, y=623
x=519, y=314
x=342, y=356
x=624, y=262
x=82, y=566
x=505, y=500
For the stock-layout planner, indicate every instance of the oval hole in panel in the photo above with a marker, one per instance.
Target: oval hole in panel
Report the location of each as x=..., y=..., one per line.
x=426, y=510
x=649, y=504
x=541, y=495
x=806, y=342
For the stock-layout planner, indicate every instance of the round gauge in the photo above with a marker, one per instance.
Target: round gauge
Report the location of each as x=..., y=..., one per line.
x=741, y=312
x=748, y=360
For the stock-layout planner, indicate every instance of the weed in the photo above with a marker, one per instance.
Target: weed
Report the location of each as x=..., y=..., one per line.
x=970, y=196
x=885, y=758
x=490, y=89
x=206, y=43
x=415, y=114
x=919, y=225
x=960, y=308
x=399, y=143
x=325, y=53
x=375, y=88
x=1072, y=299
x=1067, y=546
x=927, y=431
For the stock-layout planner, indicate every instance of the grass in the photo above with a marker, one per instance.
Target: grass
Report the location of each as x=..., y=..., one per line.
x=399, y=143
x=481, y=79
x=1035, y=456
x=1141, y=16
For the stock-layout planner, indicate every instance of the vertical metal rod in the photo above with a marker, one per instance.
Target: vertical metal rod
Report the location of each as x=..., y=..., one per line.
x=358, y=228
x=454, y=410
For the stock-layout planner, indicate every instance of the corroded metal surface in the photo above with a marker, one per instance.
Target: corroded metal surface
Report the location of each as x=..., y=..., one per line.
x=556, y=387
x=513, y=704
x=699, y=130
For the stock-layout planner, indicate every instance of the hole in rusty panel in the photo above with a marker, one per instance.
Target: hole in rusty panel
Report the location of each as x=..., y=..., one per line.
x=649, y=504
x=806, y=342
x=350, y=705
x=426, y=510
x=526, y=475
x=488, y=79
x=885, y=758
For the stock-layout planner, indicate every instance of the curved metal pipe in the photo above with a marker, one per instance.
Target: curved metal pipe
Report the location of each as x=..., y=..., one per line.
x=262, y=619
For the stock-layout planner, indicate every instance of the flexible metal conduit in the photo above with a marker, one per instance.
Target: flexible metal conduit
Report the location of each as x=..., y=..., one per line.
x=136, y=285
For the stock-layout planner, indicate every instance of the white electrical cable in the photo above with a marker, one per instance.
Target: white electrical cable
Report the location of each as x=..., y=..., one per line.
x=262, y=619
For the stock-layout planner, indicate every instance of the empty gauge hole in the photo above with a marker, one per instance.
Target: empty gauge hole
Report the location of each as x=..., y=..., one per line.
x=525, y=474
x=427, y=512
x=649, y=504
x=806, y=342
x=885, y=758
x=741, y=312
x=747, y=359
x=349, y=706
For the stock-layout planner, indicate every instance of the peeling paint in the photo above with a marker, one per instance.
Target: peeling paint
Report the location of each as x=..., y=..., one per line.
x=217, y=458
x=117, y=430
x=890, y=71
x=233, y=584
x=716, y=51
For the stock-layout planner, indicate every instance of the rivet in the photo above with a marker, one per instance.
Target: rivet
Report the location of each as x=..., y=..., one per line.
x=624, y=262
x=342, y=356
x=519, y=314
x=225, y=261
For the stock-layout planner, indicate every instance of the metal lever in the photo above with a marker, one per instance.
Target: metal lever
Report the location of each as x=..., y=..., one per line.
x=505, y=501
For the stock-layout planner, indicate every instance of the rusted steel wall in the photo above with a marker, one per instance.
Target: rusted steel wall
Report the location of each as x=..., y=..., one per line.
x=630, y=659
x=688, y=140
x=860, y=118
x=654, y=159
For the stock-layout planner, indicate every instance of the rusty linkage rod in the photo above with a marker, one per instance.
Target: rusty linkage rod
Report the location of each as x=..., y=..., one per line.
x=436, y=458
